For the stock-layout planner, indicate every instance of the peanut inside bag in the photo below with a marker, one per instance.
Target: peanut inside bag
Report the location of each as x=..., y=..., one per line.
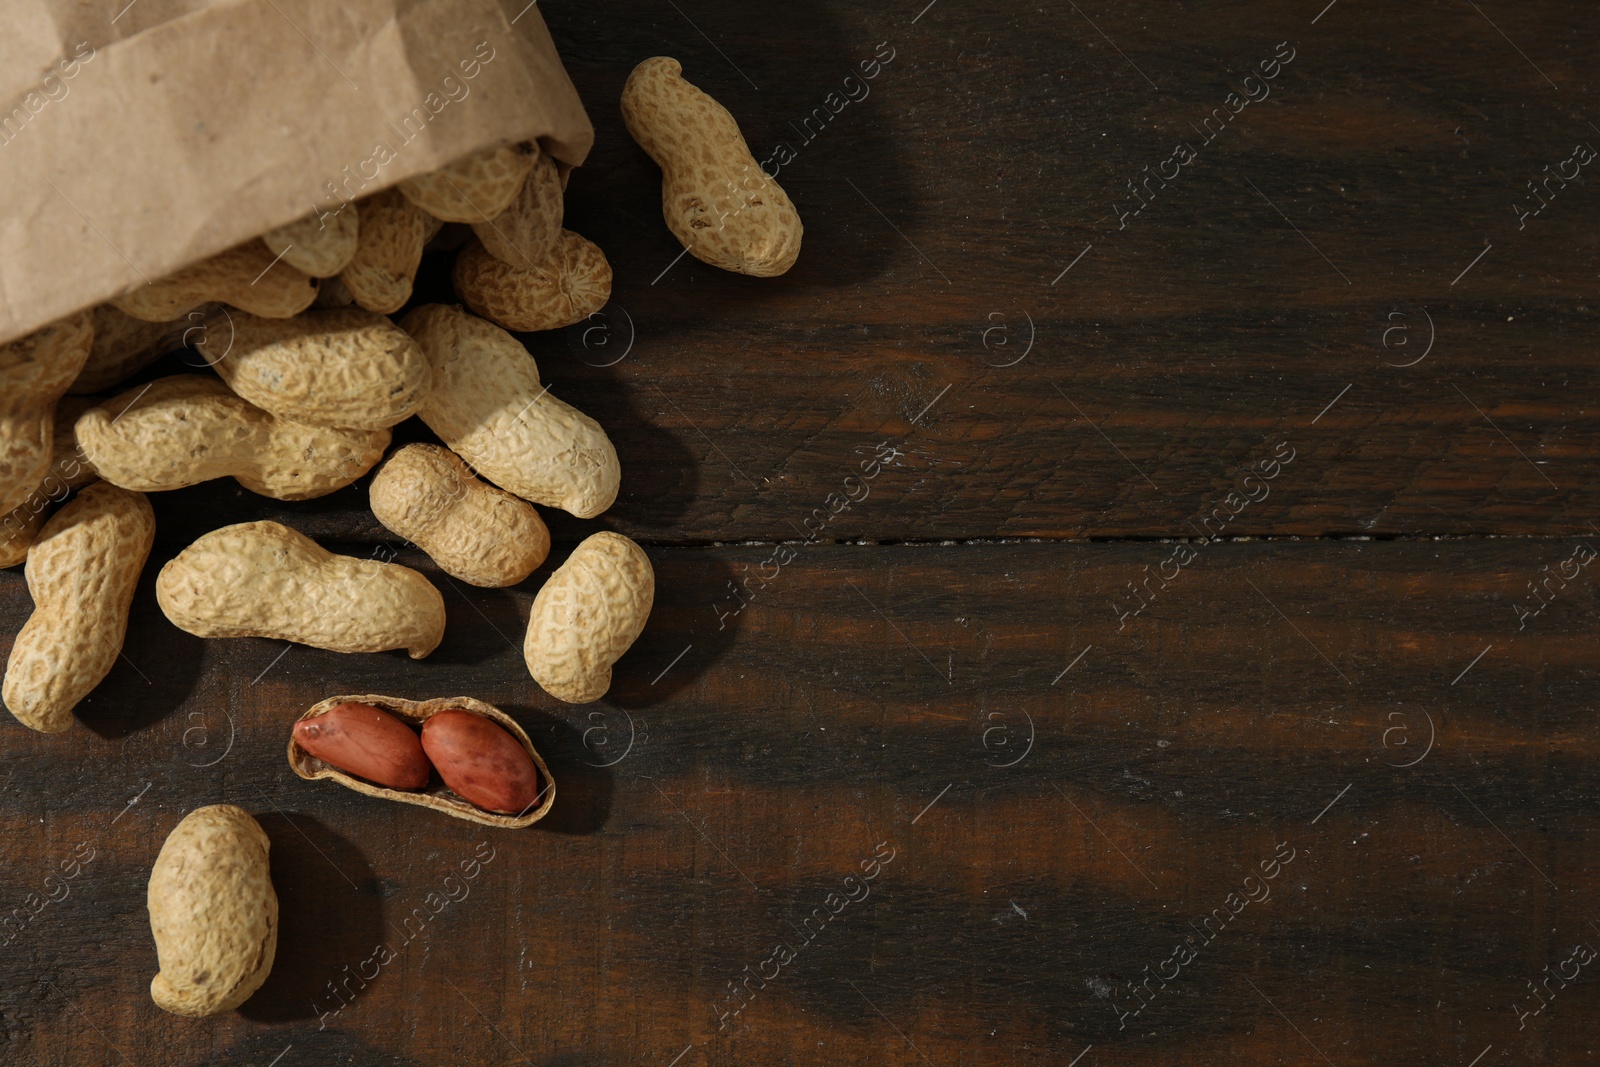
x=132, y=147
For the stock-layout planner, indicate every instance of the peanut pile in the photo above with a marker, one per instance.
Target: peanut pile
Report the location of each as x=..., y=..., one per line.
x=308, y=377
x=301, y=404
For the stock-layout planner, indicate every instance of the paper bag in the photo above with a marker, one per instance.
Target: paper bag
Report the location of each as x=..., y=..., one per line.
x=137, y=138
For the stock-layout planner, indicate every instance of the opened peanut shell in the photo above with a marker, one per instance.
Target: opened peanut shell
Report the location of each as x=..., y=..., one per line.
x=435, y=795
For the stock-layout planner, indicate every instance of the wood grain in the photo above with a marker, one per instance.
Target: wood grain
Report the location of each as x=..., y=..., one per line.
x=1040, y=661
x=1052, y=833
x=1278, y=287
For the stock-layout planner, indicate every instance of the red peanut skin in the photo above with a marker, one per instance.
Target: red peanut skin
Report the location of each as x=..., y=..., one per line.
x=484, y=764
x=367, y=742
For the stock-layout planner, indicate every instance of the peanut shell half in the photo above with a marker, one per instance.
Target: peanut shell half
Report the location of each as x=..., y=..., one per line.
x=435, y=795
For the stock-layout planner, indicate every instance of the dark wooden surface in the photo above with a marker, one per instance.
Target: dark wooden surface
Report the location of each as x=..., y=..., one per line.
x=955, y=672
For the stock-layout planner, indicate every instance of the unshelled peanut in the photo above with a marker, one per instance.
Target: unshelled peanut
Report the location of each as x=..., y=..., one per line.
x=262, y=579
x=487, y=405
x=590, y=611
x=123, y=345
x=69, y=469
x=345, y=367
x=213, y=912
x=36, y=370
x=716, y=198
x=81, y=573
x=571, y=282
x=321, y=244
x=475, y=188
x=524, y=232
x=384, y=267
x=473, y=531
x=187, y=429
x=244, y=276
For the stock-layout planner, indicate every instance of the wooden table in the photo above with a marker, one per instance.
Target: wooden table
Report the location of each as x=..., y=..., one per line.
x=1123, y=596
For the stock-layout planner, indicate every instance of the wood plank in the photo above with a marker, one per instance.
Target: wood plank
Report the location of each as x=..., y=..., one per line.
x=1314, y=246
x=1285, y=287
x=1058, y=821
x=1076, y=752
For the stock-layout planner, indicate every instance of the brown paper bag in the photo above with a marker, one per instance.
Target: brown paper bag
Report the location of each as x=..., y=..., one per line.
x=137, y=138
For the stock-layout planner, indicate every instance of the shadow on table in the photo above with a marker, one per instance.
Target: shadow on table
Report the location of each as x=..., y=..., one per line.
x=808, y=114
x=480, y=623
x=158, y=669
x=330, y=922
x=696, y=615
x=583, y=781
